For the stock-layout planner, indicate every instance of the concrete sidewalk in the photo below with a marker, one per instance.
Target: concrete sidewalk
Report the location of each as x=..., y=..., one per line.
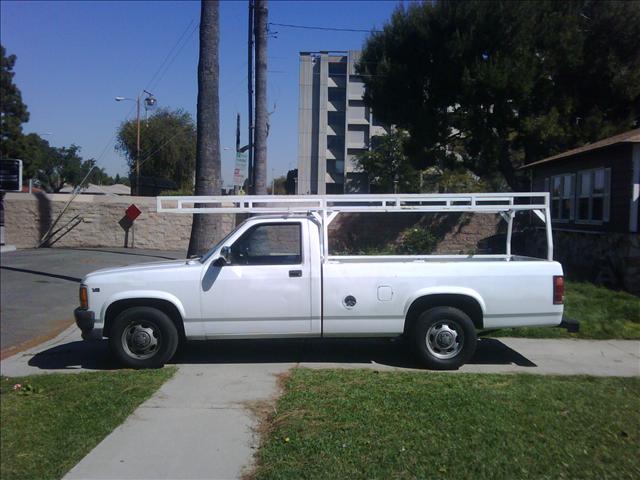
x=197, y=425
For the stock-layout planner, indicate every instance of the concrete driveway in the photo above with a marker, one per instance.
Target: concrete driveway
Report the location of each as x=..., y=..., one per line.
x=40, y=288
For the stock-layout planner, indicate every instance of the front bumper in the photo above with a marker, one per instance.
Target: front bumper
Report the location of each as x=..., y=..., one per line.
x=85, y=320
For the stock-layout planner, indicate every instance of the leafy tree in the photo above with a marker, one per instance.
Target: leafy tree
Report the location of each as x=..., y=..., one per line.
x=51, y=167
x=279, y=185
x=290, y=183
x=493, y=85
x=167, y=145
x=205, y=228
x=60, y=166
x=388, y=165
x=34, y=151
x=13, y=112
x=121, y=180
x=97, y=176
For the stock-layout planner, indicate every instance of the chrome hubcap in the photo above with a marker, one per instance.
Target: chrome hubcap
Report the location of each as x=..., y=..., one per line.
x=444, y=339
x=141, y=339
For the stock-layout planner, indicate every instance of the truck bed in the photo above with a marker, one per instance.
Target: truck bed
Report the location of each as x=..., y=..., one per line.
x=512, y=291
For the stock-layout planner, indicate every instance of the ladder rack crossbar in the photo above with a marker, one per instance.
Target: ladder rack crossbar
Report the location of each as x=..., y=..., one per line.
x=477, y=202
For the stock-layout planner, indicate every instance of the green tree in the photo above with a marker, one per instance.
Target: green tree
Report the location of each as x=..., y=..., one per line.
x=279, y=185
x=493, y=85
x=120, y=180
x=97, y=176
x=388, y=165
x=13, y=112
x=60, y=166
x=34, y=151
x=167, y=144
x=291, y=182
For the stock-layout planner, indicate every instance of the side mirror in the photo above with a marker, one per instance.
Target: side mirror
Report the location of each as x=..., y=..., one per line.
x=224, y=258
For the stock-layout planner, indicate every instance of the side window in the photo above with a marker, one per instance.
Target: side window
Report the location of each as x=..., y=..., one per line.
x=562, y=196
x=594, y=195
x=269, y=244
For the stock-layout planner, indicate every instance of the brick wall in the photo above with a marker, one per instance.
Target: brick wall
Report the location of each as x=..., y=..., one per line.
x=28, y=217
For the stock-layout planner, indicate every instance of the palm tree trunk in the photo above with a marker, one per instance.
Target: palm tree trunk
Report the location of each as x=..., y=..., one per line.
x=206, y=228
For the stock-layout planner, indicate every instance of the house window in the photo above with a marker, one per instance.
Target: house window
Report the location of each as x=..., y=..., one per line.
x=594, y=195
x=562, y=197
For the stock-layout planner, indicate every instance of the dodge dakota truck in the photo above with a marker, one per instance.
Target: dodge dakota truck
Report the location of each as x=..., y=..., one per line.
x=273, y=277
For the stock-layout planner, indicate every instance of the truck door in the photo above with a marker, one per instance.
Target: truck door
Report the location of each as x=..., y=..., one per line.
x=266, y=287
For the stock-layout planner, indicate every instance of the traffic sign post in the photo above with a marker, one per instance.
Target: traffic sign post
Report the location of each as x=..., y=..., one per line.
x=10, y=181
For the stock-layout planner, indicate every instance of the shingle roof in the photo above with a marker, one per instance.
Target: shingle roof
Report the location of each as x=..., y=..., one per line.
x=632, y=136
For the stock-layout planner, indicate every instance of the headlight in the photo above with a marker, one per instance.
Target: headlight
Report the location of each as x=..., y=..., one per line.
x=84, y=300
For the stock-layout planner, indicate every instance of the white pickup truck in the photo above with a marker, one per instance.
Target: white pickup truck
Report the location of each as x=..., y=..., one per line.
x=273, y=277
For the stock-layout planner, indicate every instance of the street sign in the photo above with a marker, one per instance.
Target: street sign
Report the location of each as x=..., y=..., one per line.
x=132, y=212
x=240, y=171
x=10, y=175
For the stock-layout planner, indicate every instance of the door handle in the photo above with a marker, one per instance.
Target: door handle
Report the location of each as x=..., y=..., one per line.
x=295, y=273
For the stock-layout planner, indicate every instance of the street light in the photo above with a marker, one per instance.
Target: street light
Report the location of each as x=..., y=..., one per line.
x=149, y=102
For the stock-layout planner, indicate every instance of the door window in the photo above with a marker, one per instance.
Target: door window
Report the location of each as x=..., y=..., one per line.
x=269, y=244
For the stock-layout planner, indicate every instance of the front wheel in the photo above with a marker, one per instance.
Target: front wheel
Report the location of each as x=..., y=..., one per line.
x=143, y=337
x=444, y=338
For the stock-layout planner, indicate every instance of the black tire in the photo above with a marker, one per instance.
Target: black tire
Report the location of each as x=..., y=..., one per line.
x=452, y=338
x=143, y=337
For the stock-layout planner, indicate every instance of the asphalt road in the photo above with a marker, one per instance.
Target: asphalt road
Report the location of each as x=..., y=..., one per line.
x=40, y=287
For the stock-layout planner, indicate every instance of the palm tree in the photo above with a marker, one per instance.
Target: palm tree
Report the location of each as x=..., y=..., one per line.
x=206, y=228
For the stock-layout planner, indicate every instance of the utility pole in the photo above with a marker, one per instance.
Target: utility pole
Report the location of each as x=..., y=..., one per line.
x=262, y=116
x=138, y=146
x=149, y=102
x=237, y=133
x=250, y=91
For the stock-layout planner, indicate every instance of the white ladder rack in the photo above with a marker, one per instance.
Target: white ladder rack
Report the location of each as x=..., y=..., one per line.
x=325, y=207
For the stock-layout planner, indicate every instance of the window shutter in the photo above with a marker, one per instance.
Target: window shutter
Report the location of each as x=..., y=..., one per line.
x=607, y=194
x=572, y=201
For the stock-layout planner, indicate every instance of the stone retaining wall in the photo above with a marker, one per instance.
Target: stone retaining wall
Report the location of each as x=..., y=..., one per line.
x=612, y=259
x=29, y=216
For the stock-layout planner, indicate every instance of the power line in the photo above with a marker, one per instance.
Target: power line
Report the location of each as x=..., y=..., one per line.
x=330, y=29
x=166, y=69
x=156, y=78
x=166, y=58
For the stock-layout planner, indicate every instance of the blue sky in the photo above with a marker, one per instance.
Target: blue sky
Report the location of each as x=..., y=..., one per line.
x=75, y=57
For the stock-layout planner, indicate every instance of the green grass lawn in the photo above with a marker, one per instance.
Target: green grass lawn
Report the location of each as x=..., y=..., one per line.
x=364, y=424
x=603, y=314
x=56, y=419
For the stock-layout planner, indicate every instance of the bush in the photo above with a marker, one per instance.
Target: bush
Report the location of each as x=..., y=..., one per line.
x=417, y=241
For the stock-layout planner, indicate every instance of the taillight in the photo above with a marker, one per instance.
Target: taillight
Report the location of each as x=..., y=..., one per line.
x=84, y=301
x=558, y=289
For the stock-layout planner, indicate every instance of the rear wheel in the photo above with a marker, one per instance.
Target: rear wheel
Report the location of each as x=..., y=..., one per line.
x=444, y=338
x=143, y=337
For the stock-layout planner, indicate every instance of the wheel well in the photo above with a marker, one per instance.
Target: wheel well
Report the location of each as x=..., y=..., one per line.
x=117, y=307
x=467, y=304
